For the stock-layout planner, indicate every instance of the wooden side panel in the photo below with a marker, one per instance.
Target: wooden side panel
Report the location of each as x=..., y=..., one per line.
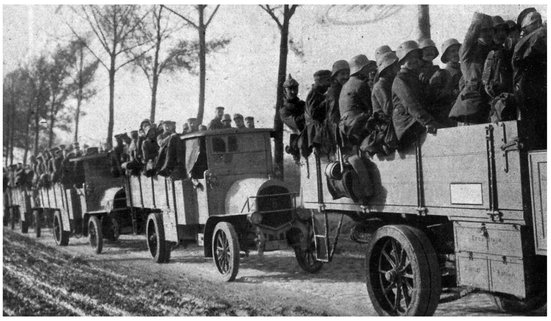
x=186, y=202
x=538, y=183
x=159, y=188
x=472, y=271
x=147, y=192
x=508, y=276
x=135, y=191
x=203, y=202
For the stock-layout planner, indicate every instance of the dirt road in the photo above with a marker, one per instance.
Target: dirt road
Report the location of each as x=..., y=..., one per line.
x=42, y=279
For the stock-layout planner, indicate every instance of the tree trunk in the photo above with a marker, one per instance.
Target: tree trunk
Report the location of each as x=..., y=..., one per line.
x=8, y=124
x=52, y=123
x=27, y=129
x=36, y=124
x=202, y=63
x=154, y=85
x=282, y=71
x=111, y=122
x=11, y=129
x=80, y=89
x=423, y=21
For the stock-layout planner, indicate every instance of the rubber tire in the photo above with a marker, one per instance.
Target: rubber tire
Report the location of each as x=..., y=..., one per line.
x=513, y=305
x=160, y=249
x=227, y=230
x=61, y=237
x=113, y=236
x=94, y=225
x=420, y=253
x=25, y=224
x=37, y=220
x=310, y=266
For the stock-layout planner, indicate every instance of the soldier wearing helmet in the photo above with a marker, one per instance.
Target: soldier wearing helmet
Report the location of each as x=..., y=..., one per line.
x=450, y=56
x=292, y=115
x=410, y=118
x=381, y=97
x=471, y=106
x=355, y=101
x=497, y=75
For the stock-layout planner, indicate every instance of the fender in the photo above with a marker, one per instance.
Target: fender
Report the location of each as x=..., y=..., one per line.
x=241, y=190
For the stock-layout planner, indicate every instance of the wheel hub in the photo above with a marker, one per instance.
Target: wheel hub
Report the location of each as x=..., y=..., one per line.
x=391, y=275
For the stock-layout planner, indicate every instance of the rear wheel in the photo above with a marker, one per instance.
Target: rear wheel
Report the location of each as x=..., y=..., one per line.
x=402, y=272
x=37, y=220
x=95, y=234
x=225, y=250
x=155, y=233
x=13, y=212
x=61, y=237
x=114, y=230
x=511, y=304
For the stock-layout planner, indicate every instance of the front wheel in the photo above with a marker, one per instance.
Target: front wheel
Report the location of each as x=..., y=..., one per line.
x=225, y=250
x=155, y=234
x=95, y=234
x=402, y=272
x=61, y=237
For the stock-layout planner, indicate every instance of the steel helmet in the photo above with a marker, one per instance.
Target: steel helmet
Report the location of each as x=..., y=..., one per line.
x=511, y=25
x=237, y=116
x=386, y=61
x=379, y=52
x=447, y=45
x=530, y=18
x=497, y=21
x=290, y=82
x=428, y=43
x=357, y=63
x=523, y=14
x=483, y=20
x=405, y=48
x=338, y=66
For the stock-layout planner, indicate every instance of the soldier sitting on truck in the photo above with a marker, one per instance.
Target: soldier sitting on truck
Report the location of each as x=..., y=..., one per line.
x=249, y=121
x=410, y=117
x=150, y=149
x=216, y=123
x=238, y=120
x=315, y=111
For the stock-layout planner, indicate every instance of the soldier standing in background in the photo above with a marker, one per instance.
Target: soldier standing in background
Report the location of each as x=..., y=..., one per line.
x=292, y=115
x=193, y=126
x=216, y=123
x=472, y=105
x=529, y=76
x=226, y=121
x=450, y=56
x=238, y=120
x=249, y=121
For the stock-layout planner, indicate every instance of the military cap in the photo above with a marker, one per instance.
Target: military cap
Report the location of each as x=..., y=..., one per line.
x=405, y=48
x=62, y=146
x=530, y=18
x=191, y=119
x=12, y=166
x=92, y=150
x=338, y=66
x=249, y=118
x=202, y=127
x=219, y=107
x=357, y=63
x=320, y=74
x=76, y=145
x=447, y=45
x=237, y=116
x=133, y=133
x=170, y=123
x=386, y=61
x=523, y=14
x=290, y=82
x=379, y=52
x=428, y=43
x=226, y=117
x=54, y=149
x=119, y=136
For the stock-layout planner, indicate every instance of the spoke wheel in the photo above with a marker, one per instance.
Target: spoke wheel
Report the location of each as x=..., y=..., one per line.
x=402, y=272
x=61, y=237
x=307, y=259
x=114, y=230
x=95, y=234
x=158, y=247
x=225, y=250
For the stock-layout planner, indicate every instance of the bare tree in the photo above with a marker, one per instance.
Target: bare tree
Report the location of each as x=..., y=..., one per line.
x=423, y=18
x=285, y=13
x=114, y=26
x=201, y=26
x=82, y=74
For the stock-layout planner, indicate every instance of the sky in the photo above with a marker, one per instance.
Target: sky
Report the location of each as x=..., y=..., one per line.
x=242, y=77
